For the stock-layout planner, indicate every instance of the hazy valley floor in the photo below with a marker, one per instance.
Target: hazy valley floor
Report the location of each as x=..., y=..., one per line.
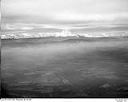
x=76, y=68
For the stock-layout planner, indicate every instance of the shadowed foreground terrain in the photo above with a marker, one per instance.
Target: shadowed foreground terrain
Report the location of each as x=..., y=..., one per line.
x=70, y=68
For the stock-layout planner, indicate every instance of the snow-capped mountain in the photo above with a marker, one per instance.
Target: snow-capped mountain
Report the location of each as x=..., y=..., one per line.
x=64, y=33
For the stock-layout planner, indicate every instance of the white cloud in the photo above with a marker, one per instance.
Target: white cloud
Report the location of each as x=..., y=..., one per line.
x=64, y=10
x=70, y=16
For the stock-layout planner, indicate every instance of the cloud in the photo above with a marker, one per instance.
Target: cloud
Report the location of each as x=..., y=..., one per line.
x=69, y=16
x=53, y=11
x=17, y=27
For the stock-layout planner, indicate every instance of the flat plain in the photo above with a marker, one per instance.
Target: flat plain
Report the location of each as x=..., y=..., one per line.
x=87, y=68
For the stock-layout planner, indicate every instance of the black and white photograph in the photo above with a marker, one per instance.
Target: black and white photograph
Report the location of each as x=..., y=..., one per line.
x=64, y=49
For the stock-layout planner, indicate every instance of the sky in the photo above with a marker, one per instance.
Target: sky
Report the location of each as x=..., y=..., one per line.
x=64, y=11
